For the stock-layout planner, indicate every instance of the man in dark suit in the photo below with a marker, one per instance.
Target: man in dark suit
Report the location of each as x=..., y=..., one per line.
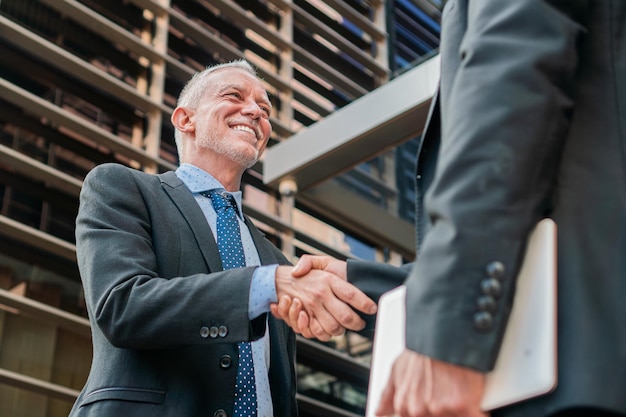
x=529, y=122
x=166, y=317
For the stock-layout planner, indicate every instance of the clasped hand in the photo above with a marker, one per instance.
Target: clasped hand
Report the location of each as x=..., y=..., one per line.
x=316, y=300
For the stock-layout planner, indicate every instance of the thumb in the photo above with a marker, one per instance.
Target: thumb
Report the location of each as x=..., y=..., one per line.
x=305, y=264
x=301, y=268
x=326, y=263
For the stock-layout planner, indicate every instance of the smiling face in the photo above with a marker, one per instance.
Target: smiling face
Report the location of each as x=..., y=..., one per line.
x=232, y=118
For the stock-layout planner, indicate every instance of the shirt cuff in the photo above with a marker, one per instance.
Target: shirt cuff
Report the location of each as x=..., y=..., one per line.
x=262, y=290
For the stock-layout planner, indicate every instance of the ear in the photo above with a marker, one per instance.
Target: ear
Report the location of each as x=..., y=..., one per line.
x=182, y=120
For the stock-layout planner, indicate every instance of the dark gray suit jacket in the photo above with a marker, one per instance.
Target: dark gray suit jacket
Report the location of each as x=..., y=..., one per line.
x=529, y=121
x=165, y=318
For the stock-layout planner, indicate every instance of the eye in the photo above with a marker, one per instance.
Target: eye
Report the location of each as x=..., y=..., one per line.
x=266, y=110
x=234, y=94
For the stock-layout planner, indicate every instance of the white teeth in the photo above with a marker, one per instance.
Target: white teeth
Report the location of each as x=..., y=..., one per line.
x=245, y=129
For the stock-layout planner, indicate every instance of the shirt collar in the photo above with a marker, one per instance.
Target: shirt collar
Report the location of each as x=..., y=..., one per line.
x=198, y=180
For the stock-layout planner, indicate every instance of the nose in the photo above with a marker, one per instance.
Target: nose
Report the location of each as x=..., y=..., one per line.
x=252, y=108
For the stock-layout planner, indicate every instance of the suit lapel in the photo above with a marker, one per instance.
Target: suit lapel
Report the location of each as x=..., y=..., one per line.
x=182, y=198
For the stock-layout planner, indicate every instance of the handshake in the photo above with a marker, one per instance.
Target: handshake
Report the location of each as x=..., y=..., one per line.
x=316, y=300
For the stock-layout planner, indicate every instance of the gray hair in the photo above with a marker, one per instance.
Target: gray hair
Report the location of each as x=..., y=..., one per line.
x=194, y=89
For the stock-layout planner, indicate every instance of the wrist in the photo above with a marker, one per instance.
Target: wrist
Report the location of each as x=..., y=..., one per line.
x=282, y=280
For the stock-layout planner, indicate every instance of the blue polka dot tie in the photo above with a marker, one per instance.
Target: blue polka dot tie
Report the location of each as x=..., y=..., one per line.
x=231, y=253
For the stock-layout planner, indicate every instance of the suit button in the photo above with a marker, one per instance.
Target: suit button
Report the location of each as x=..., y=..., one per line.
x=483, y=321
x=222, y=331
x=491, y=286
x=213, y=332
x=226, y=361
x=496, y=270
x=220, y=413
x=486, y=303
x=204, y=332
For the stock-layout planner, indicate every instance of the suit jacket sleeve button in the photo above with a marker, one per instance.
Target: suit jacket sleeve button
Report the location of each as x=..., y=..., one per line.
x=222, y=331
x=491, y=286
x=225, y=362
x=204, y=332
x=496, y=270
x=486, y=303
x=483, y=321
x=213, y=332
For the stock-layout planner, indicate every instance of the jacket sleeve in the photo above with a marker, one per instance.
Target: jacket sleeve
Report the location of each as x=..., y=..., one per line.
x=374, y=279
x=505, y=115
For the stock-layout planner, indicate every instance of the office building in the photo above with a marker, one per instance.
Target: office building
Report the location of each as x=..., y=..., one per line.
x=84, y=82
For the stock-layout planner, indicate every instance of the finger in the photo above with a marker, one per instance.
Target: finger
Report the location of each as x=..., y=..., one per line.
x=307, y=333
x=354, y=297
x=294, y=312
x=284, y=311
x=318, y=331
x=274, y=311
x=385, y=406
x=323, y=325
x=328, y=323
x=303, y=320
x=345, y=316
x=284, y=304
x=308, y=262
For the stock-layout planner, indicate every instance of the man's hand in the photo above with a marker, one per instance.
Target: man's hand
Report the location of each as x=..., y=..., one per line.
x=319, y=303
x=423, y=387
x=326, y=263
x=292, y=311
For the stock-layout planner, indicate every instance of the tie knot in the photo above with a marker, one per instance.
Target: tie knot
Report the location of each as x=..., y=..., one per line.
x=220, y=199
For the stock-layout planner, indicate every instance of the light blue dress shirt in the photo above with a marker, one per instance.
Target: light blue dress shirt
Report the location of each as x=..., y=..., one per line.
x=262, y=287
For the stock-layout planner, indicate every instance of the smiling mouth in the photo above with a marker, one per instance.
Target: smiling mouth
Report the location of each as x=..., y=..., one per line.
x=244, y=129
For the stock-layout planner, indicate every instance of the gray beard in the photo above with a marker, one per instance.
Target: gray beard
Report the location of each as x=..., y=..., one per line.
x=210, y=141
